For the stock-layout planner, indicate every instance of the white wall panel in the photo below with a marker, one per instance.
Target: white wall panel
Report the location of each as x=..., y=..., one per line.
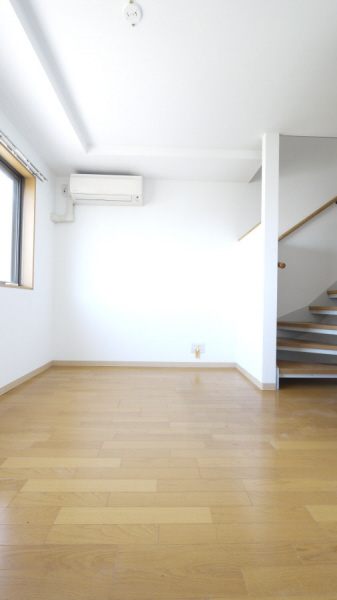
x=144, y=283
x=26, y=315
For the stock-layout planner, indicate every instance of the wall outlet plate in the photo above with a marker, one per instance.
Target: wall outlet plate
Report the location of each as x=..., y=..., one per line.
x=64, y=189
x=200, y=347
x=132, y=13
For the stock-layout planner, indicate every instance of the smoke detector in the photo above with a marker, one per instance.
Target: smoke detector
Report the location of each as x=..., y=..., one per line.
x=132, y=13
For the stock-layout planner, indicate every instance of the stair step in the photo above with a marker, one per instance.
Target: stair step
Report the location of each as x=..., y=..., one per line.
x=297, y=369
x=303, y=346
x=307, y=327
x=323, y=310
x=332, y=293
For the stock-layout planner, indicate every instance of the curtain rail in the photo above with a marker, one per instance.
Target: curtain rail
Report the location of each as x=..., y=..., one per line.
x=5, y=141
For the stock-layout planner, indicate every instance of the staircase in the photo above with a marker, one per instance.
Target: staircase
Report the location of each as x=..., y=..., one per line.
x=312, y=345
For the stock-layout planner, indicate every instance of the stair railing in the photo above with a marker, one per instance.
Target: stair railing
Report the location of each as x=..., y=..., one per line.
x=282, y=265
x=314, y=214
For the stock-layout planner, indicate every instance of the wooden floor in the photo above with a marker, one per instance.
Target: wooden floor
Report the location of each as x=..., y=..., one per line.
x=158, y=484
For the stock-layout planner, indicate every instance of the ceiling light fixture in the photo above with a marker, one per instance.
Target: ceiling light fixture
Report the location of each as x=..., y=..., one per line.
x=132, y=13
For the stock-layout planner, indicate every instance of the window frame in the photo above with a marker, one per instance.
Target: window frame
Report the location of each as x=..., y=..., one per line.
x=26, y=223
x=18, y=194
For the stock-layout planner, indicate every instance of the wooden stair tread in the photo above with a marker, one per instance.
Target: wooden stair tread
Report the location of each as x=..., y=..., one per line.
x=306, y=325
x=304, y=344
x=332, y=292
x=289, y=367
x=334, y=308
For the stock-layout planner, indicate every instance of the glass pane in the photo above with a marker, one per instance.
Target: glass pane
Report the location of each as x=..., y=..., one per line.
x=6, y=225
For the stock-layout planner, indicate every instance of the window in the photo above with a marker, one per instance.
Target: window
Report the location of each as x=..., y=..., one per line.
x=17, y=220
x=11, y=194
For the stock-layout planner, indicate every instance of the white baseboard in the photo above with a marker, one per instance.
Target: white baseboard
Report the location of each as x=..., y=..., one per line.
x=150, y=365
x=16, y=382
x=259, y=384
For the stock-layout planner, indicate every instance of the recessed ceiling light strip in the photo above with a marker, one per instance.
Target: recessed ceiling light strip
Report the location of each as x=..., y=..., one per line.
x=5, y=141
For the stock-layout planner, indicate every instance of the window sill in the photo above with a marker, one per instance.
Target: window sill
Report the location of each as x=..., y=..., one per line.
x=17, y=287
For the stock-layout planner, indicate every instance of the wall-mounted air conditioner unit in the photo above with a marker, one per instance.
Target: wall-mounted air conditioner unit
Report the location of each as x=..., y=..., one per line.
x=107, y=190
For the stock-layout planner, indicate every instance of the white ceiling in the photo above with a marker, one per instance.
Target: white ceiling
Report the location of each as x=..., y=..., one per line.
x=187, y=93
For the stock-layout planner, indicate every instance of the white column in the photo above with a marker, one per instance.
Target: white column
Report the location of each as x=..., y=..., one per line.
x=269, y=221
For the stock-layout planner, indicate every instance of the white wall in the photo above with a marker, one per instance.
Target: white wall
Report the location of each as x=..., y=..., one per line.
x=250, y=304
x=143, y=284
x=26, y=315
x=269, y=225
x=257, y=271
x=308, y=179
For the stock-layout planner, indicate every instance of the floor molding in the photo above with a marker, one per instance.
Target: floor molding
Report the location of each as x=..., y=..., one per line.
x=135, y=364
x=20, y=380
x=150, y=365
x=259, y=384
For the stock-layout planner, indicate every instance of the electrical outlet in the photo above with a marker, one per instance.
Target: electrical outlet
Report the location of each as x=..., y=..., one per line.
x=200, y=347
x=64, y=189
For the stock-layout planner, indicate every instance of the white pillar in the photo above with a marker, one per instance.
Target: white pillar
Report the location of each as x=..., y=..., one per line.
x=269, y=222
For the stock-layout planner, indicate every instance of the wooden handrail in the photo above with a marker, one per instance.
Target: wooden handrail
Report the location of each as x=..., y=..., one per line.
x=314, y=214
x=252, y=229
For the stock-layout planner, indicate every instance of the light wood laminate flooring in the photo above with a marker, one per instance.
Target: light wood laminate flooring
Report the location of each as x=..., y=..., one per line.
x=167, y=484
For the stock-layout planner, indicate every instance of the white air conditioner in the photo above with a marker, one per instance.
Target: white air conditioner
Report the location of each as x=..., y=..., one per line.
x=107, y=190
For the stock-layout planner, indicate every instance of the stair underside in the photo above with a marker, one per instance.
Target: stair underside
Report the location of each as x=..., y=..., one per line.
x=308, y=327
x=289, y=369
x=305, y=346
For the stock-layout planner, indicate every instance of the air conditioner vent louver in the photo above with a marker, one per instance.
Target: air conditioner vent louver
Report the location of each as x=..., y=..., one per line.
x=111, y=190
